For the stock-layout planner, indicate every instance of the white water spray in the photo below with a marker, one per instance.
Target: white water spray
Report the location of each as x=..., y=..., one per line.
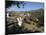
x=19, y=21
x=7, y=15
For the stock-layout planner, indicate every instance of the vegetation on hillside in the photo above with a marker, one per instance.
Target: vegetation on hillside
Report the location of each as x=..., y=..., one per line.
x=32, y=23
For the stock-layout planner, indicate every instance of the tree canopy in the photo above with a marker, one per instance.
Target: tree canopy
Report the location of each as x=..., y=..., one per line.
x=9, y=3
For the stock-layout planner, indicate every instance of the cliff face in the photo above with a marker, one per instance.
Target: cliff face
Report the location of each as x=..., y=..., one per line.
x=32, y=22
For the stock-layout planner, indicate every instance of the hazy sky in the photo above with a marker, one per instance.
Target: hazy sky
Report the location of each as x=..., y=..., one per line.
x=27, y=6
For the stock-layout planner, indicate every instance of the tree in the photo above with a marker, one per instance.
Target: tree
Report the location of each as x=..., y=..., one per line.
x=9, y=3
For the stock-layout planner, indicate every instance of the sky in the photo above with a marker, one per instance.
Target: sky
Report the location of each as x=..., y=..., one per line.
x=27, y=7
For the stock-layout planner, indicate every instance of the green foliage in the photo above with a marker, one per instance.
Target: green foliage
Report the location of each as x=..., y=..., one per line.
x=32, y=24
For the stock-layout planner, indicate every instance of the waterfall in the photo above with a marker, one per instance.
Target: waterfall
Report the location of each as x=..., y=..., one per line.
x=19, y=21
x=7, y=15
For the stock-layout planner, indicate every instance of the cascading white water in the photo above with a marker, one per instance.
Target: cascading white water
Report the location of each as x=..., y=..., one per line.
x=19, y=21
x=7, y=15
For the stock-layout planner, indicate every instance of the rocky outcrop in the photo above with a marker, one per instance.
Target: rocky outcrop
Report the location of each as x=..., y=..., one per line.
x=30, y=23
